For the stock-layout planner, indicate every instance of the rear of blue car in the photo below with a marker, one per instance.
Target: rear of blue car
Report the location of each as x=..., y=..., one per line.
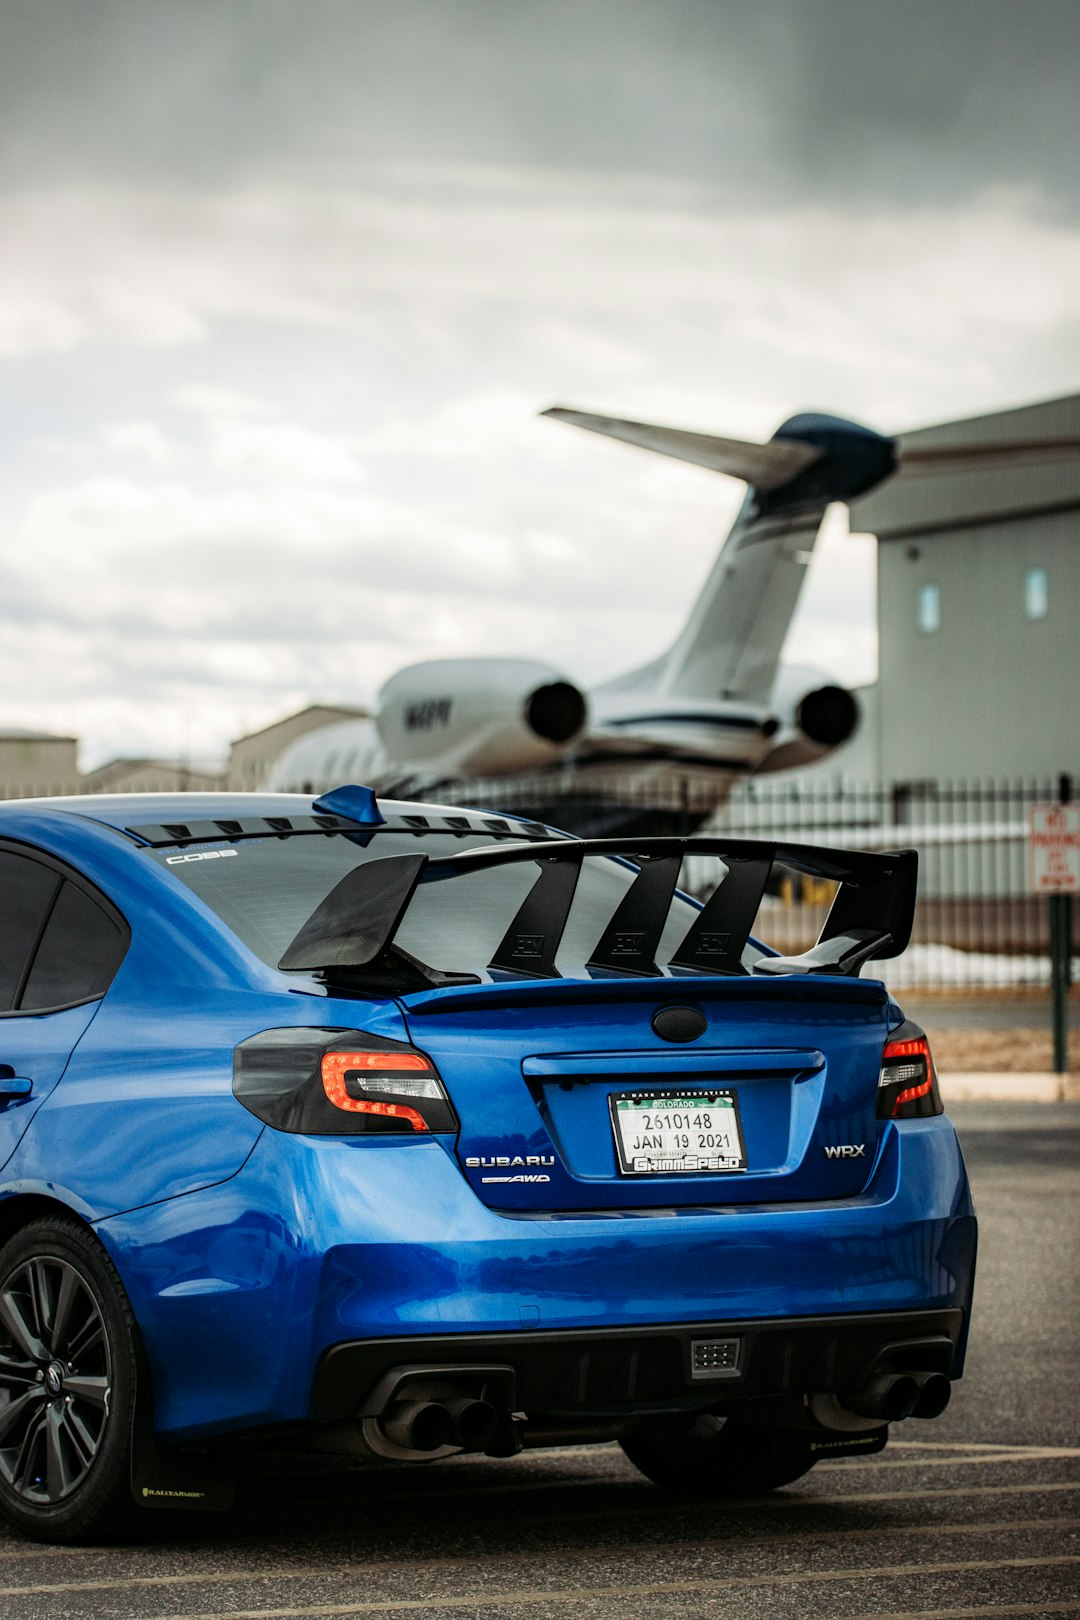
x=498, y=1181
x=507, y=1253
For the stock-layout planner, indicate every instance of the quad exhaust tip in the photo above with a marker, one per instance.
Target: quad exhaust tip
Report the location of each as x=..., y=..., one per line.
x=430, y=1425
x=935, y=1392
x=895, y=1396
x=472, y=1423
x=891, y=1398
x=418, y=1425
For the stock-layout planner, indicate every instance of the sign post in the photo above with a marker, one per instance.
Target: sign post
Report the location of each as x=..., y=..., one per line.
x=1054, y=870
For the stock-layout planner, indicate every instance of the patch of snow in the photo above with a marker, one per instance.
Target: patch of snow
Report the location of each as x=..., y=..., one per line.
x=944, y=965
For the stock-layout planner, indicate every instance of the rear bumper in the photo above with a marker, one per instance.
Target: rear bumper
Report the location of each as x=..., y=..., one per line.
x=249, y=1291
x=615, y=1371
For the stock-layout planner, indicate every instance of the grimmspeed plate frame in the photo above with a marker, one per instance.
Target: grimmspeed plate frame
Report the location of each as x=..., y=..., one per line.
x=692, y=1130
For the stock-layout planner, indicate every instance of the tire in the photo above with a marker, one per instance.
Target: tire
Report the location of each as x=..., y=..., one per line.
x=67, y=1385
x=701, y=1455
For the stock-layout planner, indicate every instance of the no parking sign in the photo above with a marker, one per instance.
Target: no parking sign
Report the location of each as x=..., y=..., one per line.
x=1053, y=849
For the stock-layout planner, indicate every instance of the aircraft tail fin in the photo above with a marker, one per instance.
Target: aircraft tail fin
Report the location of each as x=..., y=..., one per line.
x=731, y=645
x=732, y=642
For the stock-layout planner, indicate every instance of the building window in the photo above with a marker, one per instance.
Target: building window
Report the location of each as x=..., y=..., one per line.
x=1036, y=593
x=929, y=609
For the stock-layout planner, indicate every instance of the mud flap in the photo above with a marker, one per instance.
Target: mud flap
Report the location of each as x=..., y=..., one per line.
x=166, y=1477
x=865, y=1444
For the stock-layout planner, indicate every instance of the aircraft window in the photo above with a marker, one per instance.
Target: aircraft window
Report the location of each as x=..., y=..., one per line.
x=26, y=892
x=1036, y=593
x=929, y=609
x=80, y=951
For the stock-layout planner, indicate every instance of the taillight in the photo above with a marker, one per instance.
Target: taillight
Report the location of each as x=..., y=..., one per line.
x=340, y=1082
x=907, y=1086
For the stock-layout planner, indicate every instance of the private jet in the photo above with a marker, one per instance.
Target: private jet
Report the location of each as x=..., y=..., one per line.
x=718, y=705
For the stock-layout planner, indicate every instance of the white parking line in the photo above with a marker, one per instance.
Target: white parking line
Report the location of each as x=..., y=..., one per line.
x=982, y=1459
x=553, y=1596
x=286, y=1572
x=976, y=1445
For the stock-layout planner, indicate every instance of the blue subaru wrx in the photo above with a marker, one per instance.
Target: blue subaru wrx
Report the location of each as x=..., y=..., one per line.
x=399, y=1131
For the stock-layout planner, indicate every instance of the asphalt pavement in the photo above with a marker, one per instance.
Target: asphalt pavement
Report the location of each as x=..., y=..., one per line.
x=976, y=1514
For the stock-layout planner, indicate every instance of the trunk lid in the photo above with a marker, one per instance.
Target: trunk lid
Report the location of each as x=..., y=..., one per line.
x=532, y=1070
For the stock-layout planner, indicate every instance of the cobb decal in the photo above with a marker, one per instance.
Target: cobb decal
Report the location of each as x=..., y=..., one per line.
x=199, y=855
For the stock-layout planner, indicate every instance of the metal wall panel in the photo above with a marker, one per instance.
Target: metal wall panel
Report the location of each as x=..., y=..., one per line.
x=991, y=692
x=904, y=506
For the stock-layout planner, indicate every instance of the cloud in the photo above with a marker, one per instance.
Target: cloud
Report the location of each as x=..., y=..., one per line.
x=469, y=425
x=205, y=399
x=282, y=452
x=141, y=439
x=282, y=290
x=851, y=101
x=890, y=302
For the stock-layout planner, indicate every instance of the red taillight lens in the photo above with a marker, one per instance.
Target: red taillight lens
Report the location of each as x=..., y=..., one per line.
x=374, y=1082
x=332, y=1082
x=907, y=1085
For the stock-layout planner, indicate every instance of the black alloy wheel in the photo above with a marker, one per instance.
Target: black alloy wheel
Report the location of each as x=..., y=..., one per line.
x=701, y=1455
x=67, y=1384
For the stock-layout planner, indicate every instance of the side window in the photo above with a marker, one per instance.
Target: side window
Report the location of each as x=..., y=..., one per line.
x=929, y=609
x=80, y=951
x=1036, y=593
x=26, y=892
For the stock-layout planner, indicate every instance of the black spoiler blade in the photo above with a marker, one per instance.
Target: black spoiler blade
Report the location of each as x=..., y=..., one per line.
x=871, y=916
x=359, y=917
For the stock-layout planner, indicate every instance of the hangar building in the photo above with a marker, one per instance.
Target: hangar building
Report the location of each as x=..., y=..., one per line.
x=34, y=763
x=978, y=611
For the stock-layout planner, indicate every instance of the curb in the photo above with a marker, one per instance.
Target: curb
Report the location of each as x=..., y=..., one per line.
x=1029, y=1088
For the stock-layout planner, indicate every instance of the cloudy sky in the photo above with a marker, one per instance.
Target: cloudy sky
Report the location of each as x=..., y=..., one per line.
x=284, y=283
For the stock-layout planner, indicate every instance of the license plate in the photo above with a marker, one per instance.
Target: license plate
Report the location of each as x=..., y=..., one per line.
x=677, y=1132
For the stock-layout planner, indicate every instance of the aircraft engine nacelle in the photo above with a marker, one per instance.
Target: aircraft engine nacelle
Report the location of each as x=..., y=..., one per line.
x=479, y=716
x=814, y=716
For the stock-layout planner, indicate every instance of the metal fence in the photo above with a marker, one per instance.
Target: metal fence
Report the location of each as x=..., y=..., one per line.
x=976, y=926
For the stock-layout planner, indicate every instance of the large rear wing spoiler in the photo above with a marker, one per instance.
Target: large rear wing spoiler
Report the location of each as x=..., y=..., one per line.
x=354, y=928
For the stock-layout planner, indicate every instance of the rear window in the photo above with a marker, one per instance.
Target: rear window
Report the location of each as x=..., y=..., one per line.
x=265, y=889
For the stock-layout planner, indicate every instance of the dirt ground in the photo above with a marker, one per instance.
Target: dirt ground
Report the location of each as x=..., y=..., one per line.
x=986, y=1051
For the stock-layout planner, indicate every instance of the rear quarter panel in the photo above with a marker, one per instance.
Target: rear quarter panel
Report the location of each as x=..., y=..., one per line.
x=145, y=1110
